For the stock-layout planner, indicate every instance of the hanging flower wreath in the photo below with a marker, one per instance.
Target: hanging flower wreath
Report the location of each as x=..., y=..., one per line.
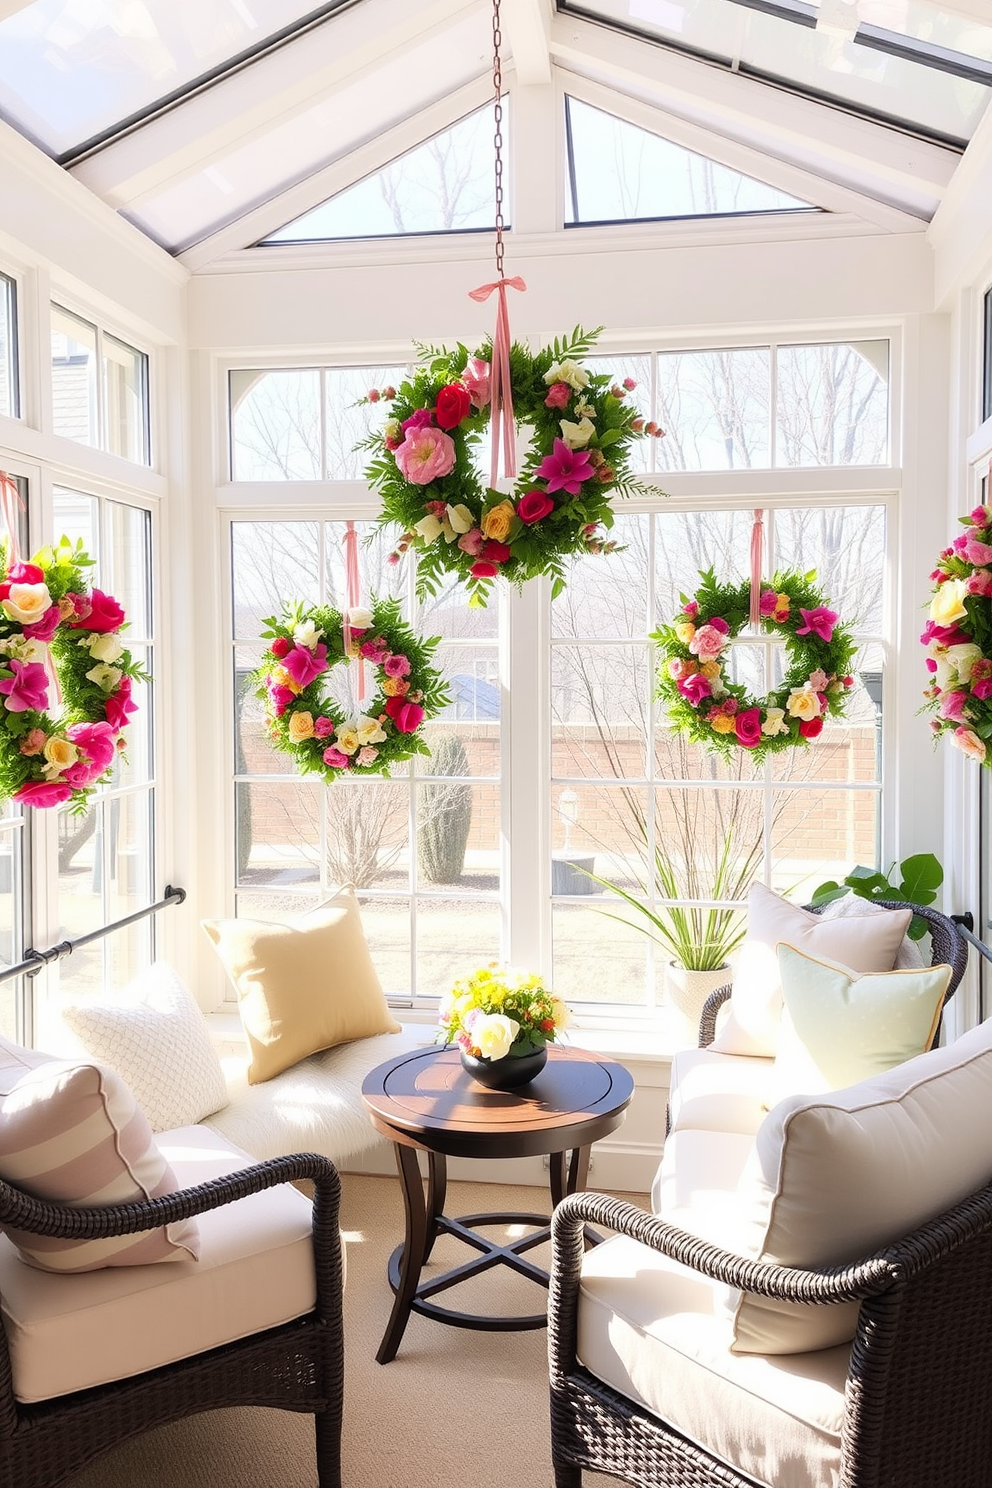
x=302, y=721
x=426, y=464
x=60, y=640
x=710, y=709
x=958, y=638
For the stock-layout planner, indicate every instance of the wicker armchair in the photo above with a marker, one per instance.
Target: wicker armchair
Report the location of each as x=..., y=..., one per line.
x=295, y=1366
x=946, y=947
x=916, y=1411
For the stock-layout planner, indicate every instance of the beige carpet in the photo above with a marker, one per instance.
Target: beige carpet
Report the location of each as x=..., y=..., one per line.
x=455, y=1406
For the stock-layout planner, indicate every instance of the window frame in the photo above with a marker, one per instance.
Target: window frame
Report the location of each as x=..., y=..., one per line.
x=101, y=329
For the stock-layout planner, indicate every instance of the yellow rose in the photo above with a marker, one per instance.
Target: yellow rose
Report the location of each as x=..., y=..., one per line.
x=60, y=754
x=803, y=703
x=496, y=522
x=369, y=730
x=280, y=677
x=300, y=727
x=947, y=605
x=722, y=724
x=684, y=631
x=347, y=739
x=26, y=603
x=711, y=669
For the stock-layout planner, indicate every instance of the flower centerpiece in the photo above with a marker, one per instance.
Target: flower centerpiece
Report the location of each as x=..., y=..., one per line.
x=426, y=464
x=711, y=709
x=958, y=638
x=502, y=1021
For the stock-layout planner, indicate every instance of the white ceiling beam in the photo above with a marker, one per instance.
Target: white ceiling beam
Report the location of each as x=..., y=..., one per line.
x=526, y=26
x=320, y=187
x=262, y=95
x=961, y=232
x=907, y=173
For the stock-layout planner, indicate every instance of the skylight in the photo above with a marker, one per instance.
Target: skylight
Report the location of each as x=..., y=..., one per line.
x=444, y=185
x=620, y=173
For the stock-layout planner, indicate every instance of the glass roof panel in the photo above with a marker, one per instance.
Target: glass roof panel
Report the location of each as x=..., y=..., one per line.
x=621, y=173
x=931, y=72
x=72, y=69
x=446, y=184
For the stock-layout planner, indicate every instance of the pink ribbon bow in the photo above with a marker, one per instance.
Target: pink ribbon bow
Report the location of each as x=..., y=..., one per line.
x=757, y=553
x=353, y=585
x=501, y=404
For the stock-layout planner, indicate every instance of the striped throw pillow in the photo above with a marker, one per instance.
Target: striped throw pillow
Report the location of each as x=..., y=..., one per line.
x=72, y=1132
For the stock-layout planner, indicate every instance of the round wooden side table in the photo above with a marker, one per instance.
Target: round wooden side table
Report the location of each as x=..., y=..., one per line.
x=425, y=1102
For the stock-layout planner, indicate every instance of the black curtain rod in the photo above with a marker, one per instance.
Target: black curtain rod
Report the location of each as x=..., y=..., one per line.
x=966, y=925
x=35, y=960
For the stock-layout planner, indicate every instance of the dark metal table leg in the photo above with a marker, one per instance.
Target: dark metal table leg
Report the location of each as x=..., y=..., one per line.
x=437, y=1187
x=573, y=1180
x=415, y=1249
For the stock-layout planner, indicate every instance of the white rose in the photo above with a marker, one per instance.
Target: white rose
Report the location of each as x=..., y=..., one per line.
x=307, y=634
x=803, y=703
x=461, y=518
x=962, y=658
x=32, y=649
x=775, y=723
x=105, y=676
x=567, y=371
x=105, y=647
x=493, y=1034
x=577, y=436
x=359, y=617
x=26, y=603
x=369, y=730
x=346, y=739
x=429, y=528
x=947, y=605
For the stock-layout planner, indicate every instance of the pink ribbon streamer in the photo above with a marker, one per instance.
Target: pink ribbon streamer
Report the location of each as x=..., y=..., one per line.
x=353, y=585
x=10, y=501
x=501, y=406
x=757, y=555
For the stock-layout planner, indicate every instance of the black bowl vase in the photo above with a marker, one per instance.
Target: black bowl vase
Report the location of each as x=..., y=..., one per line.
x=507, y=1073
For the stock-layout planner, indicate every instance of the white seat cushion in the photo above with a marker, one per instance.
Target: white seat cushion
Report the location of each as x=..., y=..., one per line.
x=255, y=1271
x=314, y=1107
x=655, y=1331
x=719, y=1092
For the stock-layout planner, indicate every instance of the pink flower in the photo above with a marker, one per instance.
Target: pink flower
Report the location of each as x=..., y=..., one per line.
x=818, y=680
x=947, y=635
x=768, y=602
x=720, y=625
x=95, y=741
x=336, y=758
x=707, y=643
x=483, y=569
x=558, y=395
x=45, y=628
x=819, y=621
x=396, y=665
x=27, y=688
x=476, y=379
x=425, y=455
x=977, y=552
x=280, y=646
x=980, y=516
x=629, y=384
x=119, y=704
x=981, y=669
x=979, y=582
x=953, y=705
x=303, y=665
x=565, y=469
x=281, y=697
x=691, y=609
x=43, y=793
x=472, y=542
x=104, y=613
x=747, y=726
x=422, y=418
x=496, y=552
x=694, y=688
x=375, y=650
x=931, y=664
x=367, y=755
x=982, y=689
x=73, y=604
x=322, y=728
x=966, y=740
x=534, y=505
x=406, y=716
x=453, y=405
x=810, y=727
x=25, y=573
x=33, y=742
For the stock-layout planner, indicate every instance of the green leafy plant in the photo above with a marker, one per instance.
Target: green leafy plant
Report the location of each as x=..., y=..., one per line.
x=921, y=877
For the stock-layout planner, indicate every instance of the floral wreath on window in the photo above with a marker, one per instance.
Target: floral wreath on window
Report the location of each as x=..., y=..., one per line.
x=958, y=638
x=60, y=640
x=302, y=721
x=426, y=464
x=712, y=710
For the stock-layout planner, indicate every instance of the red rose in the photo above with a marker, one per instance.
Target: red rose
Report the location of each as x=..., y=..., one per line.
x=406, y=716
x=496, y=552
x=104, y=613
x=533, y=506
x=810, y=727
x=483, y=569
x=747, y=726
x=453, y=404
x=25, y=573
x=280, y=647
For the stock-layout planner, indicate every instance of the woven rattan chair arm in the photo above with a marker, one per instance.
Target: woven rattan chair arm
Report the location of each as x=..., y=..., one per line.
x=765, y=1279
x=707, y=1018
x=20, y=1211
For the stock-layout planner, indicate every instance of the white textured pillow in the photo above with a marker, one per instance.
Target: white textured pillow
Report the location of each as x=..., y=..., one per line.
x=862, y=944
x=157, y=1040
x=836, y=1177
x=910, y=955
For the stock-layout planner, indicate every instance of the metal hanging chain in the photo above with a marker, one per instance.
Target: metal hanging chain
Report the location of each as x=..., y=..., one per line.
x=498, y=137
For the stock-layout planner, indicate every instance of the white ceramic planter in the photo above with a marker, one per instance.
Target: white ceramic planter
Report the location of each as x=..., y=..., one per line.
x=688, y=990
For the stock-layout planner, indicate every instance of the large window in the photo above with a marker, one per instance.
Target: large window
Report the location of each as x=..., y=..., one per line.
x=99, y=388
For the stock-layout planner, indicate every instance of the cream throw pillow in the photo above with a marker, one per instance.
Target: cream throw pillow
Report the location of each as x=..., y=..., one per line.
x=862, y=944
x=302, y=986
x=838, y=1029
